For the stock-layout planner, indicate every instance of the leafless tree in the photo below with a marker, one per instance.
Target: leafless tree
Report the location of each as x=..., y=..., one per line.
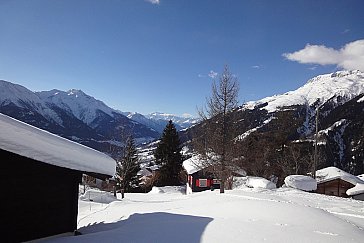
x=299, y=159
x=215, y=142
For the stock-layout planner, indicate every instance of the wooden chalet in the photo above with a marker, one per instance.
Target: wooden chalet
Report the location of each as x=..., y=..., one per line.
x=335, y=182
x=40, y=176
x=199, y=179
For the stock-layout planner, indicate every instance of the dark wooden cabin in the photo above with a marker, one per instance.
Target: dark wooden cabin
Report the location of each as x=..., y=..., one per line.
x=336, y=187
x=335, y=182
x=40, y=175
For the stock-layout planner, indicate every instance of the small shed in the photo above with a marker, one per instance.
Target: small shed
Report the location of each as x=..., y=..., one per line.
x=199, y=179
x=335, y=182
x=40, y=176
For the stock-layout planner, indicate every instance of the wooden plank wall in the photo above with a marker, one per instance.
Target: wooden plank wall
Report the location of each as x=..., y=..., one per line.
x=38, y=199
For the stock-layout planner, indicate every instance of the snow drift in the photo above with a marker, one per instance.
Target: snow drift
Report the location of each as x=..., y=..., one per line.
x=259, y=182
x=93, y=195
x=301, y=182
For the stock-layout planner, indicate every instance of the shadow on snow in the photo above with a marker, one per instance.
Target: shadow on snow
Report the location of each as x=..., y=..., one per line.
x=148, y=227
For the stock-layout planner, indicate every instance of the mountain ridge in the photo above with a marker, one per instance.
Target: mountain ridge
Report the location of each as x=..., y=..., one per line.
x=272, y=131
x=78, y=116
x=72, y=114
x=287, y=117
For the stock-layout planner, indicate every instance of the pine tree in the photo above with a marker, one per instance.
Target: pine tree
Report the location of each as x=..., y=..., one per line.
x=168, y=157
x=128, y=167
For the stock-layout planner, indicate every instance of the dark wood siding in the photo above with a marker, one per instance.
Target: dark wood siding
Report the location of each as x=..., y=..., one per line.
x=39, y=199
x=335, y=187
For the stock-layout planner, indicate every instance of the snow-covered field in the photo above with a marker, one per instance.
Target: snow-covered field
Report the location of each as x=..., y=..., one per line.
x=241, y=215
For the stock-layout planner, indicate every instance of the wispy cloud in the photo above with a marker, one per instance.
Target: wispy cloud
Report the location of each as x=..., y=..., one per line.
x=313, y=68
x=345, y=31
x=212, y=74
x=153, y=1
x=349, y=57
x=256, y=67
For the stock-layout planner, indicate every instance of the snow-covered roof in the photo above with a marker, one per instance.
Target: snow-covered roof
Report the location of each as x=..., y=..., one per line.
x=197, y=163
x=332, y=173
x=144, y=172
x=357, y=189
x=193, y=164
x=31, y=142
x=301, y=182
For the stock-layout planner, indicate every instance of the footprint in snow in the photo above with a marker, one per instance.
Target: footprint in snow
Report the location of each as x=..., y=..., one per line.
x=252, y=220
x=279, y=224
x=326, y=233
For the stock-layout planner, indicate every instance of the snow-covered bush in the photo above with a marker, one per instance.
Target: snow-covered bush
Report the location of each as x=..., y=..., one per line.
x=98, y=196
x=239, y=182
x=259, y=182
x=301, y=182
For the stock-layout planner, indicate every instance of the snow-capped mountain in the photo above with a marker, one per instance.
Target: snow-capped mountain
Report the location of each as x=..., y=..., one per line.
x=17, y=95
x=318, y=90
x=283, y=122
x=184, y=122
x=81, y=105
x=158, y=121
x=72, y=114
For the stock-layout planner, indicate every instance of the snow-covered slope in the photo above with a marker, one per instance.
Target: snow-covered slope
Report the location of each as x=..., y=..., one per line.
x=22, y=97
x=247, y=215
x=81, y=105
x=158, y=120
x=347, y=84
x=72, y=114
x=184, y=121
x=290, y=120
x=155, y=125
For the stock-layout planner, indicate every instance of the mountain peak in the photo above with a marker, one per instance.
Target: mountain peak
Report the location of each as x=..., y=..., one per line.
x=347, y=84
x=81, y=105
x=353, y=74
x=77, y=93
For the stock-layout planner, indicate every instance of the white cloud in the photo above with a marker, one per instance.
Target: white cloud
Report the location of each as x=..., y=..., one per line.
x=153, y=1
x=349, y=57
x=256, y=67
x=186, y=115
x=212, y=74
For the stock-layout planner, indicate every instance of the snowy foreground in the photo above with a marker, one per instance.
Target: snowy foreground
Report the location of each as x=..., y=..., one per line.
x=245, y=215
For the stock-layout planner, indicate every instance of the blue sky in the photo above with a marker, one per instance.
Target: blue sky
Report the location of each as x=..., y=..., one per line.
x=146, y=56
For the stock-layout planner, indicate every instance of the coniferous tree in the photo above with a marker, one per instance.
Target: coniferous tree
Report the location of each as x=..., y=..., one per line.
x=128, y=167
x=168, y=157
